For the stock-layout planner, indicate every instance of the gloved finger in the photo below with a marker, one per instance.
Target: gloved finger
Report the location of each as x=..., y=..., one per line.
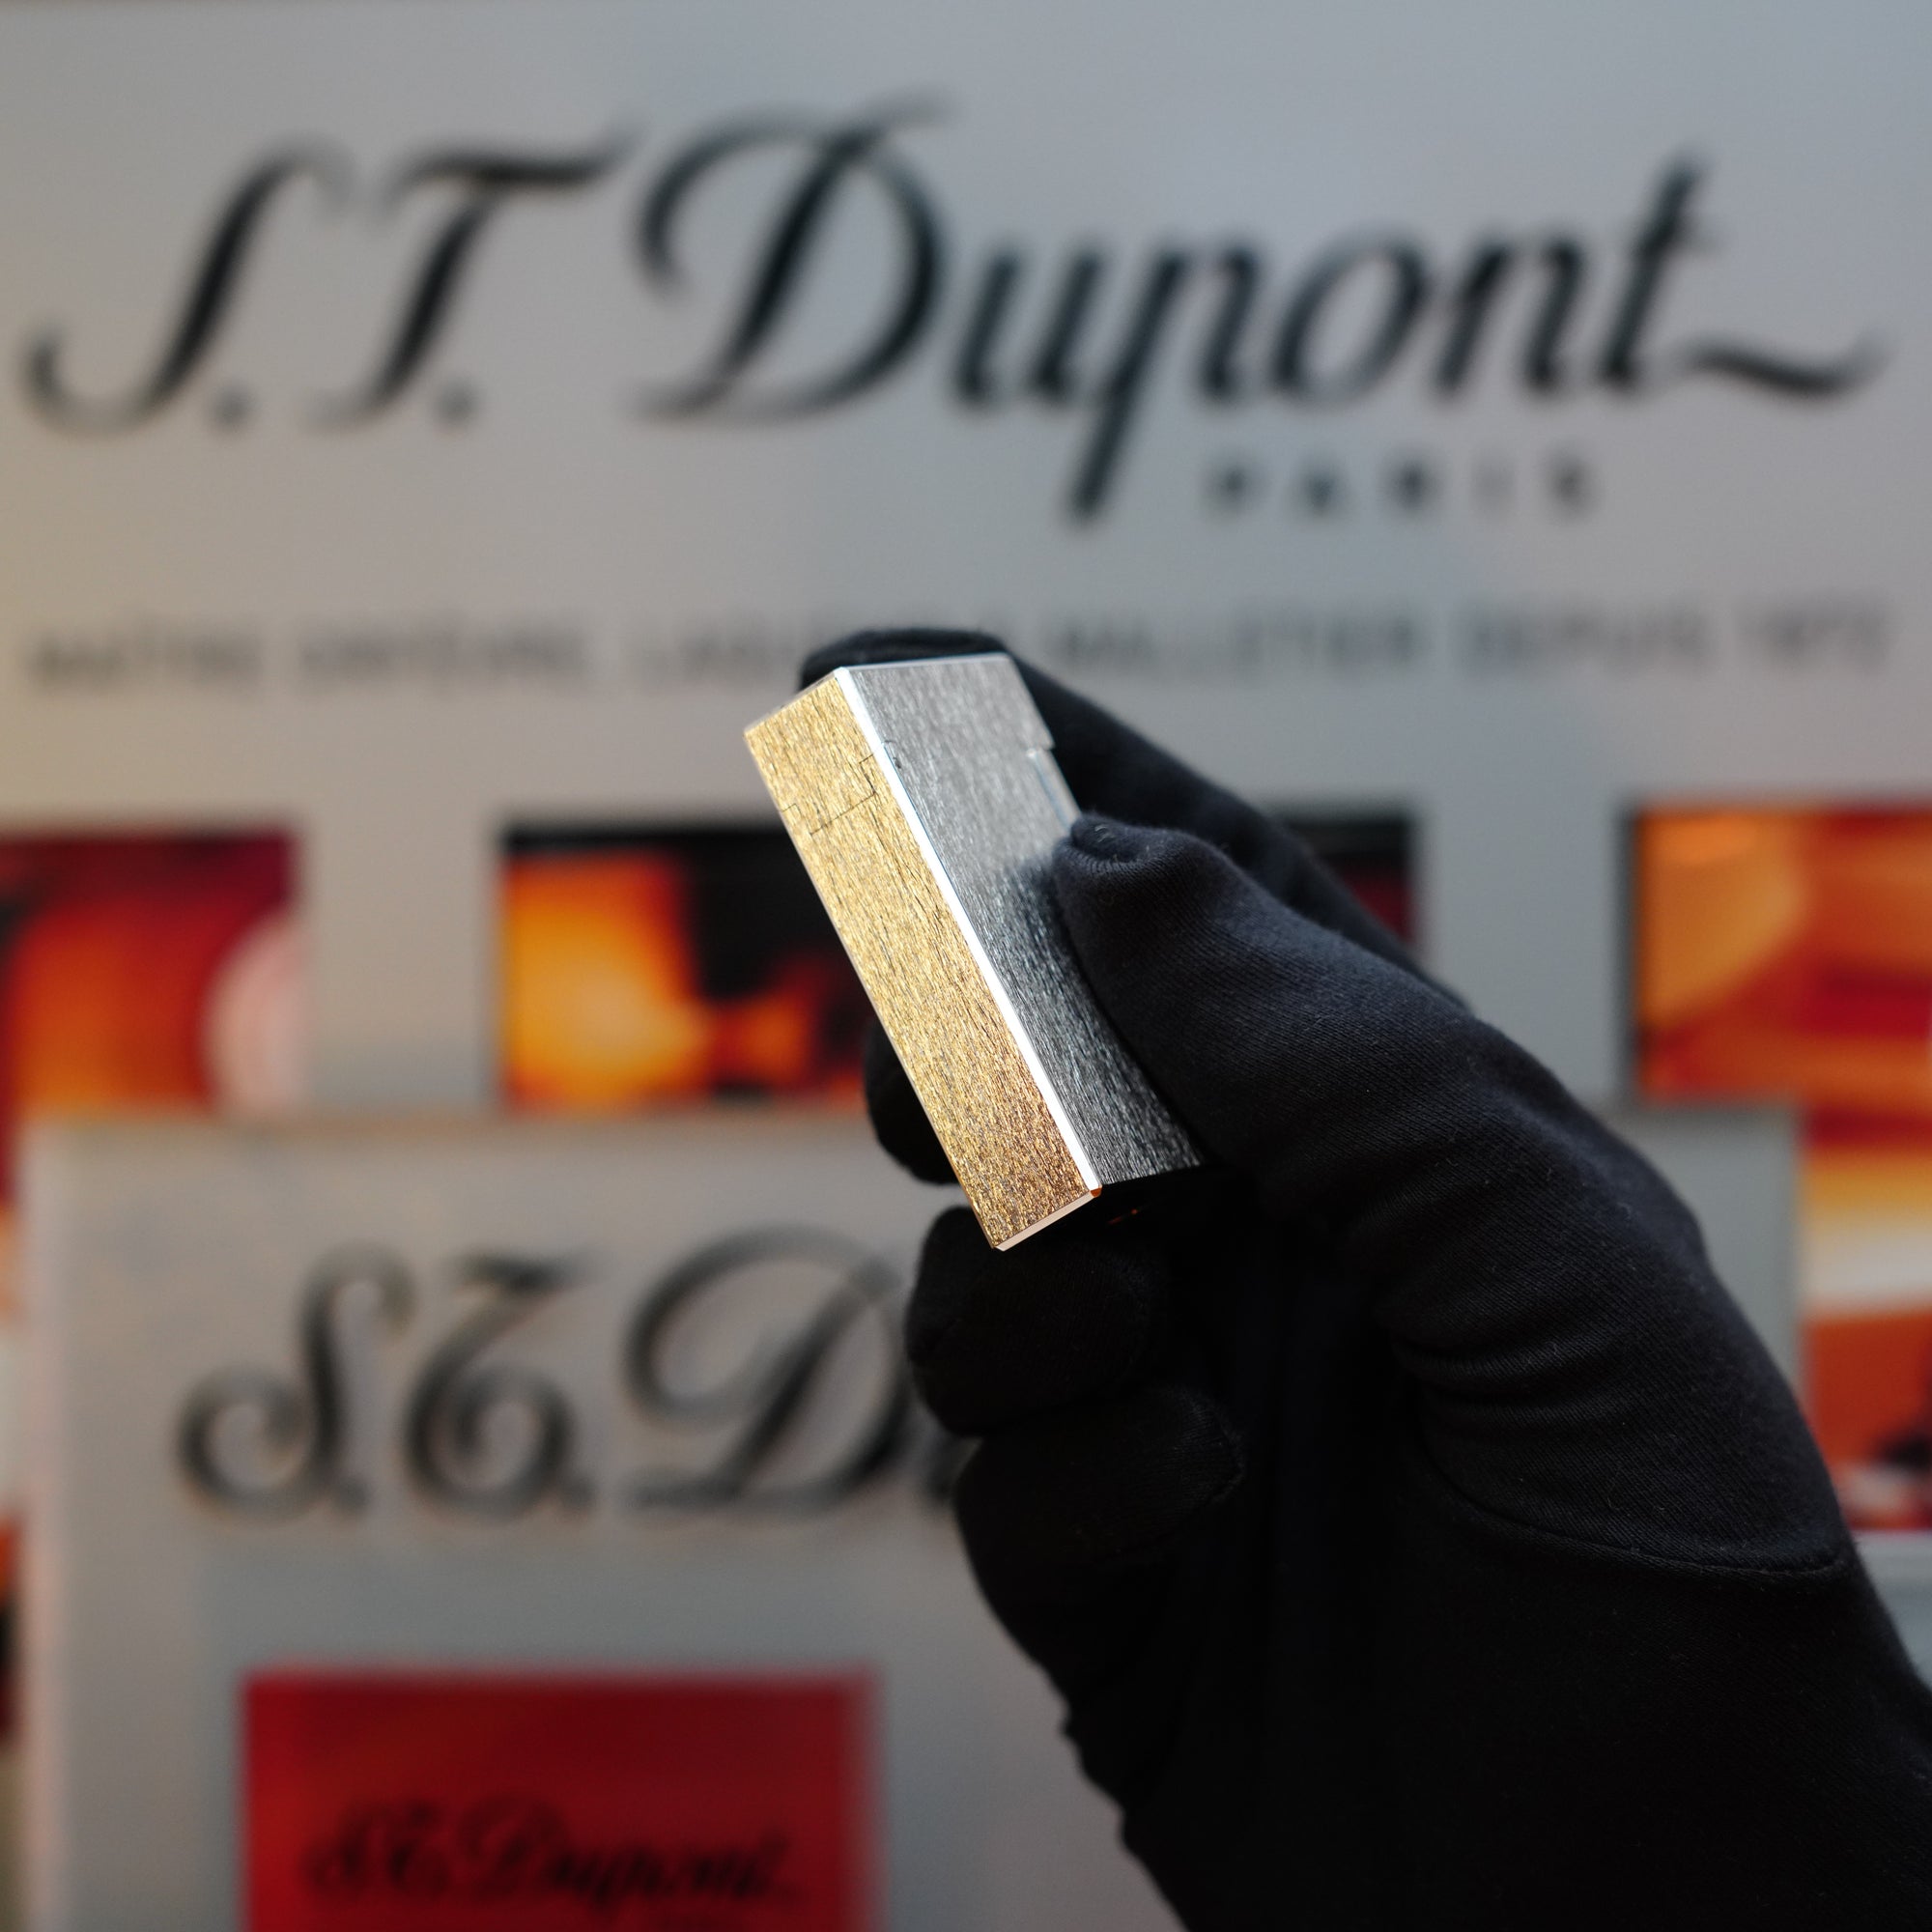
x=897, y=1119
x=1544, y=1289
x=1049, y=1507
x=1299, y=1058
x=1110, y=768
x=1066, y=1317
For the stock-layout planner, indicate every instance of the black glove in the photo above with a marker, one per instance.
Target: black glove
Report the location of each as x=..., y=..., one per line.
x=1412, y=1523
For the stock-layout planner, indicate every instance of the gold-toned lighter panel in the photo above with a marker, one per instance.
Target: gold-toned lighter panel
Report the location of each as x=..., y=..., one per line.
x=917, y=968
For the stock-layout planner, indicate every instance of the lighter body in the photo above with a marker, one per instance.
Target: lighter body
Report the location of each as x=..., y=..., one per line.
x=925, y=804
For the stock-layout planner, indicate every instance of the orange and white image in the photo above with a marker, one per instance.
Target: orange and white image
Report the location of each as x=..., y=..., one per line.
x=1786, y=954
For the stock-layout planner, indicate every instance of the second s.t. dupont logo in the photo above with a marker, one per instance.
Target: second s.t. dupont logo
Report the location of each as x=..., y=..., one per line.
x=806, y=1407
x=748, y=224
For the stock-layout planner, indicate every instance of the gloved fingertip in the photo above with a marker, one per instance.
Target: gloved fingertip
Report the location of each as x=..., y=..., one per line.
x=1107, y=839
x=1125, y=887
x=1193, y=962
x=954, y=1256
x=994, y=1337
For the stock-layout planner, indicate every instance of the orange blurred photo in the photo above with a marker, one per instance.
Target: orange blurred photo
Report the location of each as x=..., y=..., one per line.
x=1786, y=954
x=643, y=966
x=145, y=970
x=142, y=969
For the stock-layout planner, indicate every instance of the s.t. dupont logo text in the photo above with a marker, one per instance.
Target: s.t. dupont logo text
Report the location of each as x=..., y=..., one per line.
x=801, y=1404
x=823, y=269
x=395, y=1800
x=512, y=1850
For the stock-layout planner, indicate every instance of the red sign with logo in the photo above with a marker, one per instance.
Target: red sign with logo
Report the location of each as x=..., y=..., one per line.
x=417, y=1802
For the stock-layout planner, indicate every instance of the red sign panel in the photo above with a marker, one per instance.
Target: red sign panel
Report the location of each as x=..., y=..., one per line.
x=399, y=1801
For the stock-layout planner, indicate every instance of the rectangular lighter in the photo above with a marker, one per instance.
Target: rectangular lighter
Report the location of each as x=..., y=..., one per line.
x=924, y=801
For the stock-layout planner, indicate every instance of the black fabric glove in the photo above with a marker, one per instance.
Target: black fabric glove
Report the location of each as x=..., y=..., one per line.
x=1416, y=1533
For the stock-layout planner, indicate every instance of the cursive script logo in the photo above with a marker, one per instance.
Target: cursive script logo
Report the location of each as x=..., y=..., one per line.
x=262, y=1445
x=447, y=1420
x=801, y=1404
x=1088, y=333
x=513, y=1849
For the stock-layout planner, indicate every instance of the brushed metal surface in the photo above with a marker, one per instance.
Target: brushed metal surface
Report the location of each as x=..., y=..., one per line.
x=889, y=905
x=924, y=801
x=970, y=750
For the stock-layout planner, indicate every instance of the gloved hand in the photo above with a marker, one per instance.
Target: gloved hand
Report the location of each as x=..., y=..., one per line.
x=1412, y=1525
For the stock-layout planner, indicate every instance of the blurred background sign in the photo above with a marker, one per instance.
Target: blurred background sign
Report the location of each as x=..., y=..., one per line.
x=1496, y=436
x=347, y=1407
x=399, y=1799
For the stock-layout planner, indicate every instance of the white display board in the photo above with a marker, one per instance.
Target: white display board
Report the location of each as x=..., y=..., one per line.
x=592, y=1288
x=419, y=416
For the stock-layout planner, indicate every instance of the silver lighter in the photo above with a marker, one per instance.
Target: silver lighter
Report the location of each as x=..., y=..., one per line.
x=925, y=800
